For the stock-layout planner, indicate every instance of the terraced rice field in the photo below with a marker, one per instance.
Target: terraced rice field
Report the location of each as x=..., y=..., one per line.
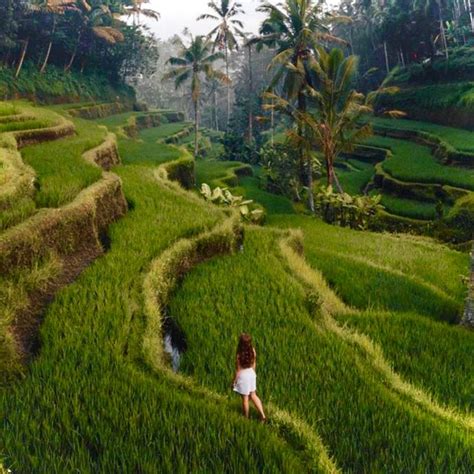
x=416, y=164
x=305, y=368
x=398, y=399
x=93, y=409
x=456, y=137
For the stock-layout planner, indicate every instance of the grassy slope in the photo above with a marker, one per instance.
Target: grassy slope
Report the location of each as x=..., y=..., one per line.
x=355, y=179
x=415, y=163
x=61, y=170
x=434, y=355
x=88, y=404
x=460, y=139
x=370, y=269
x=410, y=281
x=412, y=208
x=304, y=369
x=212, y=171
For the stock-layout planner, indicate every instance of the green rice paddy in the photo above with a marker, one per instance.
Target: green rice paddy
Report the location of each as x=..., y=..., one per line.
x=90, y=403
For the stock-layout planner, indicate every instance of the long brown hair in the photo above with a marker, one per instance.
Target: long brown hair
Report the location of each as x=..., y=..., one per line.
x=245, y=351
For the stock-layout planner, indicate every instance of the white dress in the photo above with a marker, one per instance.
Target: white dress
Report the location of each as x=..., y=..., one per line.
x=246, y=381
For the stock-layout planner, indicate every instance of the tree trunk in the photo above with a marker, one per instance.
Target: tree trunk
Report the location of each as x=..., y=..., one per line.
x=22, y=57
x=442, y=30
x=272, y=125
x=71, y=61
x=216, y=115
x=50, y=45
x=250, y=95
x=46, y=59
x=387, y=64
x=336, y=180
x=228, y=84
x=196, y=129
x=304, y=159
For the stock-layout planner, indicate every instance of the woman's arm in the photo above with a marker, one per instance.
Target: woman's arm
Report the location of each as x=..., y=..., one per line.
x=254, y=365
x=237, y=369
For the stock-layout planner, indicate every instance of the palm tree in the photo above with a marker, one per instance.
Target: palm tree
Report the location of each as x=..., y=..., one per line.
x=97, y=20
x=294, y=29
x=193, y=64
x=333, y=125
x=225, y=32
x=52, y=8
x=136, y=10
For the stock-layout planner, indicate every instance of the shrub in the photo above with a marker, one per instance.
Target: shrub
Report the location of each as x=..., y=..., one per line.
x=345, y=210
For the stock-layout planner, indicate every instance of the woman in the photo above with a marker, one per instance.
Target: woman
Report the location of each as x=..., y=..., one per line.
x=245, y=380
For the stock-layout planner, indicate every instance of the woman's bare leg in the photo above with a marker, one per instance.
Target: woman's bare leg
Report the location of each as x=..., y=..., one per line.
x=245, y=405
x=258, y=404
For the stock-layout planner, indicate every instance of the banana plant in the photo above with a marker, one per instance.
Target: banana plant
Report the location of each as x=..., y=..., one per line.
x=223, y=196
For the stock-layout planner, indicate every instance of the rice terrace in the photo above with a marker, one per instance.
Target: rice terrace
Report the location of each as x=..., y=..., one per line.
x=236, y=236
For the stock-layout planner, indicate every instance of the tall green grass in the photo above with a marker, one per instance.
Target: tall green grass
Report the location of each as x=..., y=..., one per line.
x=23, y=125
x=88, y=404
x=415, y=163
x=61, y=170
x=7, y=109
x=304, y=369
x=397, y=273
x=213, y=172
x=460, y=139
x=434, y=355
x=356, y=176
x=412, y=208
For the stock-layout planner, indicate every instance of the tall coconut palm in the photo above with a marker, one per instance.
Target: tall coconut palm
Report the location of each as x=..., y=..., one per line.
x=333, y=124
x=194, y=64
x=136, y=10
x=225, y=32
x=96, y=20
x=294, y=29
x=42, y=8
x=53, y=8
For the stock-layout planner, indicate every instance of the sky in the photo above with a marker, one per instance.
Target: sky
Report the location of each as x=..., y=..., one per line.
x=178, y=14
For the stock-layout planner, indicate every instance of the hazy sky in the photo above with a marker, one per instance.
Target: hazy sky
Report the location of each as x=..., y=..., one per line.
x=178, y=14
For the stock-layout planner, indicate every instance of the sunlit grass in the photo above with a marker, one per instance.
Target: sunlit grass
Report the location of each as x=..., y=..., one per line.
x=88, y=403
x=411, y=208
x=61, y=170
x=415, y=163
x=376, y=270
x=457, y=137
x=434, y=355
x=303, y=368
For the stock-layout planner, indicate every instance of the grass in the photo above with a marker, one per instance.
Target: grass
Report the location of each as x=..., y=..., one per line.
x=213, y=171
x=365, y=269
x=164, y=130
x=460, y=139
x=61, y=170
x=23, y=125
x=114, y=121
x=411, y=208
x=14, y=291
x=89, y=404
x=24, y=207
x=415, y=163
x=250, y=187
x=434, y=355
x=303, y=368
x=355, y=178
x=7, y=109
